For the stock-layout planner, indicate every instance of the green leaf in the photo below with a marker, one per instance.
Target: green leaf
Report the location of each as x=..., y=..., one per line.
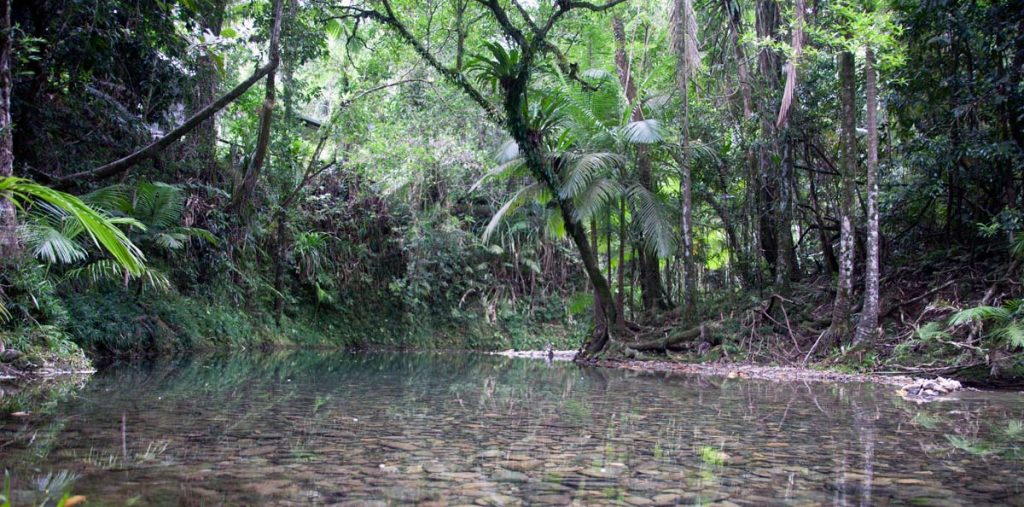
x=99, y=228
x=643, y=132
x=333, y=28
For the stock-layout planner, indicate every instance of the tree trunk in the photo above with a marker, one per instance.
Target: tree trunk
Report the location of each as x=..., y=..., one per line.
x=242, y=194
x=203, y=140
x=8, y=218
x=531, y=148
x=785, y=266
x=620, y=323
x=867, y=327
x=839, y=330
x=683, y=37
x=650, y=278
x=599, y=320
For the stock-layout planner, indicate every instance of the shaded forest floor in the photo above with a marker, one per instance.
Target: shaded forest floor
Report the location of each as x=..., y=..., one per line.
x=917, y=299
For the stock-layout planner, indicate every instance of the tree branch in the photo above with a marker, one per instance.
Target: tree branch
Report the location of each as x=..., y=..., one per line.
x=456, y=77
x=152, y=149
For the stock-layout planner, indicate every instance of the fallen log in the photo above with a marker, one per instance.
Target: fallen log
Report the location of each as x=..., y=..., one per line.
x=666, y=342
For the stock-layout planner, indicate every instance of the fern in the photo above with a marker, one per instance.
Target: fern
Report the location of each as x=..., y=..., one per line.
x=104, y=270
x=979, y=313
x=969, y=445
x=1004, y=322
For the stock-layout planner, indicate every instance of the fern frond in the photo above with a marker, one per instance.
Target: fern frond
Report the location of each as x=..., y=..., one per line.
x=1012, y=333
x=980, y=313
x=931, y=331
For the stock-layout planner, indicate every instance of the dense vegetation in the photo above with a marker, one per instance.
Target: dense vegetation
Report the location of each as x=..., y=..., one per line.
x=769, y=180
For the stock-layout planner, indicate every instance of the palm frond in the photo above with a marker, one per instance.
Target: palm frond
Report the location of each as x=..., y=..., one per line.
x=110, y=198
x=158, y=205
x=1017, y=248
x=517, y=200
x=196, y=232
x=581, y=170
x=980, y=313
x=99, y=228
x=597, y=195
x=643, y=132
x=510, y=168
x=655, y=220
x=50, y=244
x=106, y=270
x=5, y=314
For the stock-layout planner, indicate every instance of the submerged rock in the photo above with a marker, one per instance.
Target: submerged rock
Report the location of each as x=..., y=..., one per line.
x=929, y=389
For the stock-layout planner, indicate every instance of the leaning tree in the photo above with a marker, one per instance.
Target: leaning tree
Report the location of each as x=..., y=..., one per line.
x=525, y=44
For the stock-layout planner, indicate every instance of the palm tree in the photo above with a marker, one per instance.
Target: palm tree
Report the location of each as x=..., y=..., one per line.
x=587, y=133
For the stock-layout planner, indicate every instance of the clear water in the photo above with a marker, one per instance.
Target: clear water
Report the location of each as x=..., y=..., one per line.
x=447, y=429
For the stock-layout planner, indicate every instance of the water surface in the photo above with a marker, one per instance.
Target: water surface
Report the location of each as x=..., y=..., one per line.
x=447, y=429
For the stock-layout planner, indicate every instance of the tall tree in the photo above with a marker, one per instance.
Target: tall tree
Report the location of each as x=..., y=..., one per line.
x=839, y=329
x=512, y=70
x=203, y=140
x=684, y=37
x=244, y=191
x=650, y=276
x=8, y=219
x=867, y=326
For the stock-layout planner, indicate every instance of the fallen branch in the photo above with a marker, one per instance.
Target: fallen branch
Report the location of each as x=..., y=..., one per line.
x=666, y=342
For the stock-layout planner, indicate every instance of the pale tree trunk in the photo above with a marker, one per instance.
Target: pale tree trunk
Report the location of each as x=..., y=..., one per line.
x=683, y=28
x=839, y=330
x=867, y=327
x=620, y=301
x=750, y=271
x=8, y=219
x=650, y=277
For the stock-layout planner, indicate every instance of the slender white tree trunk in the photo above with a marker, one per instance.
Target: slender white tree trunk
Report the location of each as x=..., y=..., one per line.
x=867, y=327
x=8, y=219
x=684, y=35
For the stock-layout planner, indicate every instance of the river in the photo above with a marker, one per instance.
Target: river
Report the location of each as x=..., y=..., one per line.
x=445, y=429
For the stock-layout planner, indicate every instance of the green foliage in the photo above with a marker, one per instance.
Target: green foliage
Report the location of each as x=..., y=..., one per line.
x=99, y=228
x=1005, y=324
